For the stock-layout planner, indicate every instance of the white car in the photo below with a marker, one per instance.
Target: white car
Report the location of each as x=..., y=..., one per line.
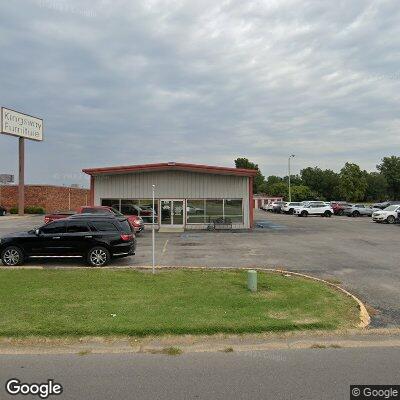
x=314, y=208
x=288, y=207
x=306, y=203
x=389, y=214
x=271, y=206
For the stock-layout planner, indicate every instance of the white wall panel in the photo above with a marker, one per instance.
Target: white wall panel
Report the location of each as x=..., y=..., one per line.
x=173, y=184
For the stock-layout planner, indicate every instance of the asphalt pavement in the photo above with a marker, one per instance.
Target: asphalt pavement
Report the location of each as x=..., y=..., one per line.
x=323, y=374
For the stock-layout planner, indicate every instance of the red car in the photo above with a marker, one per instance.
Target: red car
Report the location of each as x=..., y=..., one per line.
x=135, y=221
x=338, y=207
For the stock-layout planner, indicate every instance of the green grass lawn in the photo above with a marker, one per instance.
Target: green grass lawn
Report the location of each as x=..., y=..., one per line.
x=128, y=302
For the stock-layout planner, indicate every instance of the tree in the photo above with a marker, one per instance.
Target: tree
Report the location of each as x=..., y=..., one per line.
x=278, y=189
x=353, y=183
x=390, y=169
x=376, y=187
x=259, y=185
x=325, y=183
x=273, y=179
x=294, y=180
x=301, y=193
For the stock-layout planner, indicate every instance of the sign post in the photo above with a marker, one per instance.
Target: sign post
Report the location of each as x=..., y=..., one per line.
x=23, y=126
x=153, y=240
x=21, y=176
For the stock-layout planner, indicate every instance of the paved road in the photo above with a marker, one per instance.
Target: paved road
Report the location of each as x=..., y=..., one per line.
x=16, y=224
x=322, y=374
x=362, y=255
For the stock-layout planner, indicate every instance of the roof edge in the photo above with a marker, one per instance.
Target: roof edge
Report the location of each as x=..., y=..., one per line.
x=170, y=166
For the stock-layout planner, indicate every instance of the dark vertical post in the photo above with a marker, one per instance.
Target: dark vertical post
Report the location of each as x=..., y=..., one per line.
x=21, y=179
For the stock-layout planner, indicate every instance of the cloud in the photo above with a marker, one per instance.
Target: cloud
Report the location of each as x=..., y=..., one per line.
x=121, y=82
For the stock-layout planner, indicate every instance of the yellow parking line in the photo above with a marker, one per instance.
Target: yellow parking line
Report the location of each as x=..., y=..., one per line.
x=165, y=246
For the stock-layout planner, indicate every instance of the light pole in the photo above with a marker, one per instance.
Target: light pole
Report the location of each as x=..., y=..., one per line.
x=290, y=157
x=152, y=231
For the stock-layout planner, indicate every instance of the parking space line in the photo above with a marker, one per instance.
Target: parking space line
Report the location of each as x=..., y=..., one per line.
x=165, y=246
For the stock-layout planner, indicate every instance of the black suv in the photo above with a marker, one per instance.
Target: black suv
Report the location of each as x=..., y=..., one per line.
x=94, y=237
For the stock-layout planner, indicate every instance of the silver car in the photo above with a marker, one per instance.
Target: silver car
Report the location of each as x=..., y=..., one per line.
x=357, y=210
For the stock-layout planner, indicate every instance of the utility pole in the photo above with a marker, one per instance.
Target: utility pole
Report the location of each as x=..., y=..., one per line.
x=153, y=238
x=290, y=157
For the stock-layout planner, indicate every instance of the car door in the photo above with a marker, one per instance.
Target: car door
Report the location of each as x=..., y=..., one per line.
x=361, y=209
x=51, y=239
x=78, y=238
x=313, y=209
x=105, y=233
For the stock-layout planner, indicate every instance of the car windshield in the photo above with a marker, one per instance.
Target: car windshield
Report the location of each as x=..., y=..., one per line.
x=391, y=208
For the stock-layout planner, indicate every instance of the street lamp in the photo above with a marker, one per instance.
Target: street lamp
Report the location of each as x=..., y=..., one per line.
x=152, y=231
x=290, y=157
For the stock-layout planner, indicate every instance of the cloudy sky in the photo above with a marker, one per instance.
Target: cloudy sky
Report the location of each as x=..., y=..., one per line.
x=124, y=82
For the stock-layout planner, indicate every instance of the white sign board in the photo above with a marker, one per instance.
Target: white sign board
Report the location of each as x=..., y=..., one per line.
x=22, y=125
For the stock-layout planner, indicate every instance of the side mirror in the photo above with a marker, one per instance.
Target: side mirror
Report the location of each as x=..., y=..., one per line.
x=37, y=232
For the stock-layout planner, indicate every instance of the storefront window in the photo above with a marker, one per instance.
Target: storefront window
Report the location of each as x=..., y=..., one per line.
x=130, y=207
x=146, y=210
x=214, y=210
x=195, y=211
x=233, y=210
x=111, y=203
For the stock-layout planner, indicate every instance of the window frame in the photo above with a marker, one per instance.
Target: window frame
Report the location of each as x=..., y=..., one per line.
x=53, y=223
x=205, y=222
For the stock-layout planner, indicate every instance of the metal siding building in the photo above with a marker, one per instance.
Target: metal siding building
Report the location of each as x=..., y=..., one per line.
x=193, y=194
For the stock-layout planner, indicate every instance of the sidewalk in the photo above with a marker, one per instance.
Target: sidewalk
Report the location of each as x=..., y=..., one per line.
x=202, y=343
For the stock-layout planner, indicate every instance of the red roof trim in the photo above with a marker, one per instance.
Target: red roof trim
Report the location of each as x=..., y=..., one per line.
x=170, y=166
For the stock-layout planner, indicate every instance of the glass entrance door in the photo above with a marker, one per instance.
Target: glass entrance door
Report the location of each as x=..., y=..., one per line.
x=171, y=212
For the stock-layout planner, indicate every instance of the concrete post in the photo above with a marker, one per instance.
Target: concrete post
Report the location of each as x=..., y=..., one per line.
x=21, y=179
x=252, y=280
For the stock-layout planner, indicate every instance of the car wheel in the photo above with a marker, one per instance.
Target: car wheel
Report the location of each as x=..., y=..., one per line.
x=12, y=256
x=327, y=214
x=304, y=214
x=98, y=257
x=3, y=212
x=291, y=211
x=390, y=219
x=355, y=214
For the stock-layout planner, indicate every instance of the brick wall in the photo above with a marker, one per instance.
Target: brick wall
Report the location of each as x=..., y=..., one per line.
x=51, y=198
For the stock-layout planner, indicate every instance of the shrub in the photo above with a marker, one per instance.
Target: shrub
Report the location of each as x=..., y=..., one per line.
x=28, y=210
x=34, y=210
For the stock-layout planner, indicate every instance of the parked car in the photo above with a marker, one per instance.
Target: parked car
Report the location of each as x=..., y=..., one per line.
x=95, y=237
x=267, y=207
x=385, y=204
x=357, y=210
x=389, y=214
x=135, y=221
x=277, y=206
x=3, y=211
x=338, y=207
x=288, y=207
x=57, y=215
x=314, y=208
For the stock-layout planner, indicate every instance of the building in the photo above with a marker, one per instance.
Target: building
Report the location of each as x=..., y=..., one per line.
x=51, y=198
x=263, y=199
x=187, y=196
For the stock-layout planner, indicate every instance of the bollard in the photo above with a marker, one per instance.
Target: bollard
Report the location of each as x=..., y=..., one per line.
x=252, y=280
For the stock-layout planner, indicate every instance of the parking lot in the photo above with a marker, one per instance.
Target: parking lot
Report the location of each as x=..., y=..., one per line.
x=361, y=255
